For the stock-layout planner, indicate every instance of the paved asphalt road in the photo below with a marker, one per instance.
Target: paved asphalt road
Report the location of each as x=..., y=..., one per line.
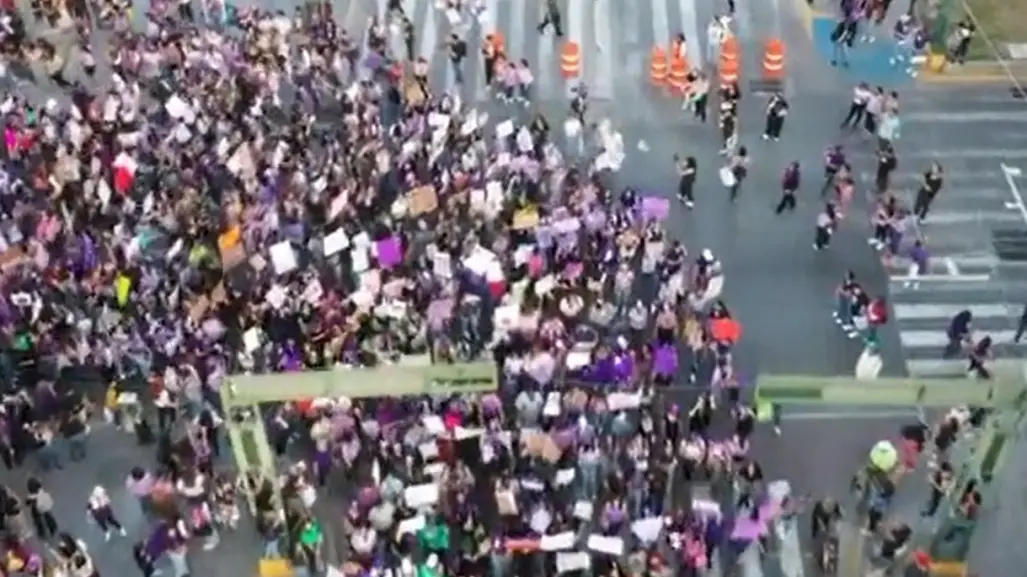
x=775, y=283
x=976, y=231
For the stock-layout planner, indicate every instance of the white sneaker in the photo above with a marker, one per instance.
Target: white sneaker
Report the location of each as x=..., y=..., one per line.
x=107, y=536
x=122, y=532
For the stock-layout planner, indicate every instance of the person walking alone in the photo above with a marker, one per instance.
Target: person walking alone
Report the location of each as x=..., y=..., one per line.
x=102, y=512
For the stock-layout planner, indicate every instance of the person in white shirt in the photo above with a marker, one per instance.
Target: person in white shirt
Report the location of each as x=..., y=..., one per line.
x=716, y=33
x=100, y=509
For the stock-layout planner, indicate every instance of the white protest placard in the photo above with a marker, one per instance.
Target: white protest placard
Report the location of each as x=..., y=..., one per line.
x=583, y=510
x=552, y=405
x=283, y=257
x=438, y=121
x=559, y=542
x=428, y=450
x=524, y=141
x=540, y=520
x=178, y=108
x=564, y=477
x=335, y=242
x=434, y=425
x=504, y=129
x=411, y=525
x=362, y=239
x=442, y=265
x=478, y=261
x=567, y=562
x=623, y=401
x=361, y=260
x=251, y=339
x=276, y=296
x=647, y=530
x=505, y=317
x=420, y=496
x=608, y=545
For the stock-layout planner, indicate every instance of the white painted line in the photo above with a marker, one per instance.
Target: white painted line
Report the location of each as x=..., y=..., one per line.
x=950, y=266
x=921, y=311
x=977, y=217
x=689, y=27
x=938, y=338
x=546, y=80
x=957, y=367
x=1012, y=173
x=849, y=415
x=602, y=77
x=661, y=25
x=962, y=116
x=576, y=14
x=941, y=278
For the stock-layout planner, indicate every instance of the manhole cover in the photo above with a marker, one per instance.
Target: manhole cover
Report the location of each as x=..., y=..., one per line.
x=1010, y=245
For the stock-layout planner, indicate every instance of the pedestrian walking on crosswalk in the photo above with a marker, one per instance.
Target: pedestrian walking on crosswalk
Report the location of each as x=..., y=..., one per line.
x=1021, y=327
x=457, y=53
x=789, y=185
x=552, y=17
x=928, y=191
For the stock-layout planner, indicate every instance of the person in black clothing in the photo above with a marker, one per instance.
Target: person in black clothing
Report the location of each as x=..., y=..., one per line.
x=959, y=333
x=896, y=537
x=777, y=110
x=941, y=482
x=41, y=507
x=887, y=162
x=980, y=352
x=929, y=189
x=457, y=53
x=552, y=17
x=686, y=182
x=789, y=185
x=143, y=559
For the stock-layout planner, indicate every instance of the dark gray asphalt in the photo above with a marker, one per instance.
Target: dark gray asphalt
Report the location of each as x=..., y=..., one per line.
x=111, y=456
x=976, y=230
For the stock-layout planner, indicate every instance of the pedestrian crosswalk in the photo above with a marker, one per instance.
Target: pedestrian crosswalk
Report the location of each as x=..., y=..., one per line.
x=973, y=233
x=615, y=38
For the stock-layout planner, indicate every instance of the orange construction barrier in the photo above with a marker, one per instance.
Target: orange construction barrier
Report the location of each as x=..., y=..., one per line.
x=658, y=67
x=570, y=60
x=678, y=78
x=728, y=72
x=774, y=60
x=729, y=49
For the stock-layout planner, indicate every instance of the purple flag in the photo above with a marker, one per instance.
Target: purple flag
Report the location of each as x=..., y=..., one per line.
x=655, y=208
x=390, y=251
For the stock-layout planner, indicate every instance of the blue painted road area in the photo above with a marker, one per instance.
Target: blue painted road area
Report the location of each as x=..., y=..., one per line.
x=881, y=62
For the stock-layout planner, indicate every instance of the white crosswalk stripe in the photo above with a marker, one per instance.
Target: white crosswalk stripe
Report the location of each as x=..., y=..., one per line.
x=615, y=40
x=972, y=232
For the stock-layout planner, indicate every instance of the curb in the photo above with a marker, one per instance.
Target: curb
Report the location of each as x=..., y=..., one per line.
x=938, y=71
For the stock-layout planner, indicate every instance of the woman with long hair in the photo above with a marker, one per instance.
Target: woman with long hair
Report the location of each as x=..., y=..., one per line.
x=102, y=512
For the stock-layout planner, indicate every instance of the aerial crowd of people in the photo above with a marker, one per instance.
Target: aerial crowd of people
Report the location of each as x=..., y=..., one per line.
x=200, y=201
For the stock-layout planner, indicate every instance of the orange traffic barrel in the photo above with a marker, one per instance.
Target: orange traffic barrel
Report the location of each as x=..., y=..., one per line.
x=678, y=79
x=774, y=60
x=570, y=60
x=728, y=71
x=658, y=67
x=729, y=49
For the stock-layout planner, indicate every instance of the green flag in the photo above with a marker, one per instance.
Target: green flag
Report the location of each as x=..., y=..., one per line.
x=434, y=537
x=311, y=534
x=23, y=342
